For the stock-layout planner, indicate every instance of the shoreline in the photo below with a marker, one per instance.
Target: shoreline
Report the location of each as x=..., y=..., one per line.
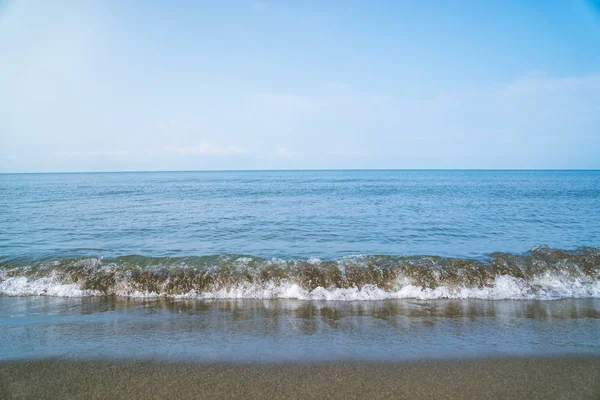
x=572, y=377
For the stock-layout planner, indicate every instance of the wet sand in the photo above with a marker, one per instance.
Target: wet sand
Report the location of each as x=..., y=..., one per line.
x=507, y=378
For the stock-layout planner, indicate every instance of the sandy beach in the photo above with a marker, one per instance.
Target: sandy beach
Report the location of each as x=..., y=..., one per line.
x=508, y=378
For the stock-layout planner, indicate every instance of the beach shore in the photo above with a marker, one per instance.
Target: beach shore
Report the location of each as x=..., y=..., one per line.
x=506, y=378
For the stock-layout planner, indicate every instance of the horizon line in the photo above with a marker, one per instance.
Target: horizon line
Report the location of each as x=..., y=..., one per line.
x=300, y=170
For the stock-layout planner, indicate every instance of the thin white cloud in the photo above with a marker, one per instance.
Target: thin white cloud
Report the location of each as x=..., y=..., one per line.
x=288, y=104
x=350, y=153
x=284, y=152
x=205, y=147
x=169, y=124
x=548, y=85
x=93, y=153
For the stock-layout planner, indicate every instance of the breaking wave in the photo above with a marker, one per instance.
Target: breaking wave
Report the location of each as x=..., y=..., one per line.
x=542, y=273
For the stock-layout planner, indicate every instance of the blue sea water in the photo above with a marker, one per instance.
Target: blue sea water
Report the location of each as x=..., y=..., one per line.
x=251, y=266
x=296, y=214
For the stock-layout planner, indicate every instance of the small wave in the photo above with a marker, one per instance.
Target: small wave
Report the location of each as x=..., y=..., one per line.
x=542, y=273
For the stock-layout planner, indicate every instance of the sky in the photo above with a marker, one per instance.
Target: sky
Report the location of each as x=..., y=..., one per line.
x=261, y=84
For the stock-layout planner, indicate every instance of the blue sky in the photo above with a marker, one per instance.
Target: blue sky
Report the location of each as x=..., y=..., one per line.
x=187, y=85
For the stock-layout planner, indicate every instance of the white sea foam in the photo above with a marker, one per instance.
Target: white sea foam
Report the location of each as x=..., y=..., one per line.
x=46, y=286
x=546, y=286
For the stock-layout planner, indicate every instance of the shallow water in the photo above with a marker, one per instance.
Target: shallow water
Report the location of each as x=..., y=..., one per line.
x=292, y=330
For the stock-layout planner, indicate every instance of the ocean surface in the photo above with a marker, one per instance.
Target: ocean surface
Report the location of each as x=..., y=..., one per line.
x=326, y=235
x=297, y=214
x=299, y=265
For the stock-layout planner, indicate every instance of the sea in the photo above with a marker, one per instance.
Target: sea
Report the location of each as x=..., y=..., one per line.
x=293, y=266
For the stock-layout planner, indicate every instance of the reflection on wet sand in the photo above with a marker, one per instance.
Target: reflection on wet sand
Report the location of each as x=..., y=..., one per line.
x=386, y=309
x=283, y=330
x=247, y=309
